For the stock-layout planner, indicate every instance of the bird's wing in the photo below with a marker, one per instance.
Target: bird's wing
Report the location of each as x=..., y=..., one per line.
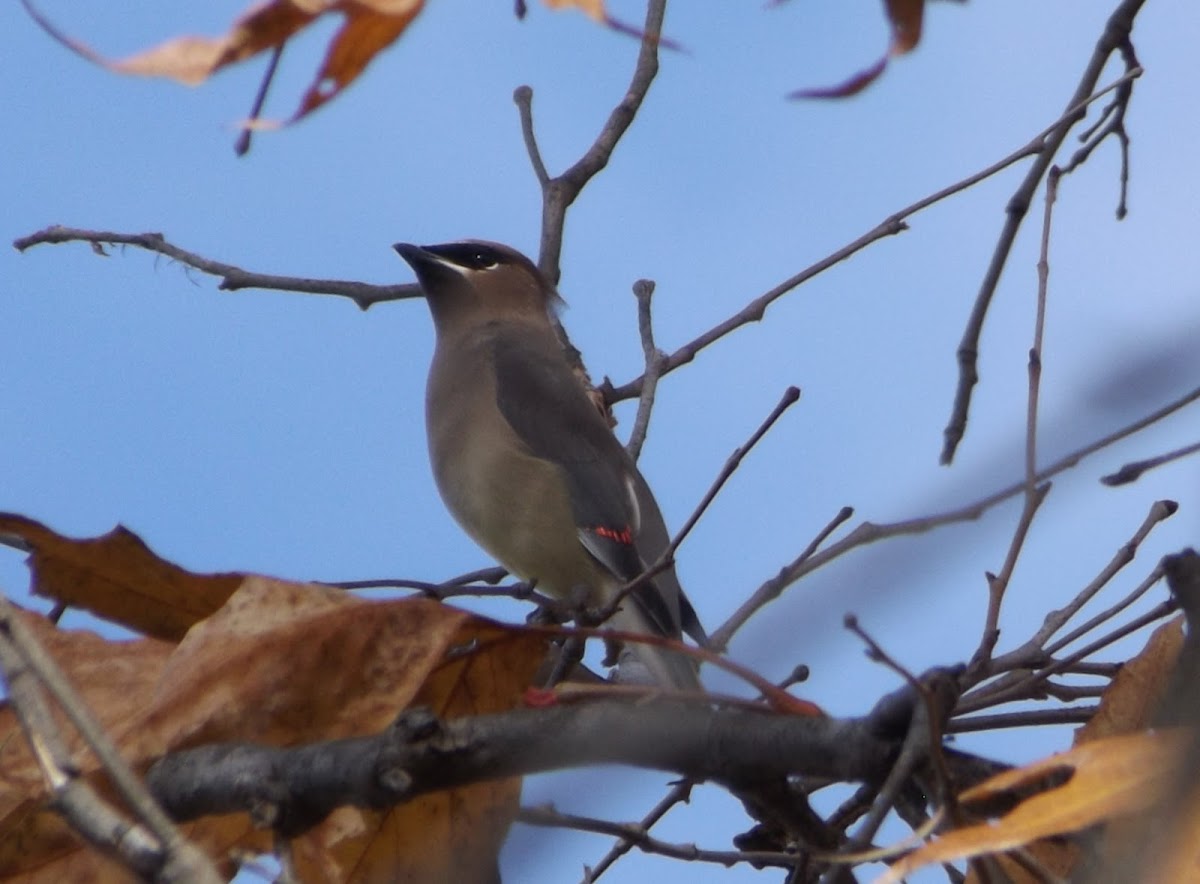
x=652, y=541
x=547, y=408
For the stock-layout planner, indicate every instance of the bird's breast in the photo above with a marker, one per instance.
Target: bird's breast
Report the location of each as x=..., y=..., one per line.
x=512, y=503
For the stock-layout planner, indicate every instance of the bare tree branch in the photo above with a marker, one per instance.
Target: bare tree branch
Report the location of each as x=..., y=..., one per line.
x=153, y=850
x=558, y=193
x=643, y=290
x=1038, y=650
x=420, y=753
x=1115, y=36
x=1111, y=122
x=232, y=277
x=636, y=835
x=1131, y=472
x=680, y=792
x=241, y=147
x=870, y=532
x=965, y=724
x=790, y=396
x=890, y=226
x=1026, y=685
x=448, y=589
x=1035, y=494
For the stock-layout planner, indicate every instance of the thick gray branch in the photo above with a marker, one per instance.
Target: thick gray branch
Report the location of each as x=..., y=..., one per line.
x=739, y=747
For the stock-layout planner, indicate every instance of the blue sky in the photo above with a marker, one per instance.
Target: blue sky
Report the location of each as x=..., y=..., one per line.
x=282, y=433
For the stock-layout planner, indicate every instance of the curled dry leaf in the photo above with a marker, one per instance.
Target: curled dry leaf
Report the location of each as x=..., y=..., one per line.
x=368, y=27
x=904, y=17
x=285, y=664
x=1130, y=700
x=1108, y=779
x=118, y=578
x=1127, y=706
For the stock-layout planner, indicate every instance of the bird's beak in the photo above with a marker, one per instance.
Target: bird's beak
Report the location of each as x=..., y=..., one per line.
x=414, y=255
x=427, y=263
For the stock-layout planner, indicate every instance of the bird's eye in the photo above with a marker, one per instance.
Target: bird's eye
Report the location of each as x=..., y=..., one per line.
x=469, y=255
x=481, y=260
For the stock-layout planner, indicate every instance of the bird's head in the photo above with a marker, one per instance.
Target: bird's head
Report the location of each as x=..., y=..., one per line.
x=473, y=279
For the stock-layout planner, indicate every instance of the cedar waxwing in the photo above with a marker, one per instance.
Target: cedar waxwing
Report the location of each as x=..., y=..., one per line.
x=523, y=459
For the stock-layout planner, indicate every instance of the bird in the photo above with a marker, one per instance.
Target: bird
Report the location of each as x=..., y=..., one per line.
x=526, y=463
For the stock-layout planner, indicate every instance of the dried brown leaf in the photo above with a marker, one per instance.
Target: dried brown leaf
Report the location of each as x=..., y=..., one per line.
x=1127, y=706
x=118, y=578
x=369, y=26
x=284, y=664
x=905, y=18
x=1110, y=778
x=1133, y=695
x=1056, y=857
x=116, y=678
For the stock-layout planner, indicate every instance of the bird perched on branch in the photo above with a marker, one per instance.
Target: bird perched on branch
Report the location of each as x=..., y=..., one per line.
x=526, y=463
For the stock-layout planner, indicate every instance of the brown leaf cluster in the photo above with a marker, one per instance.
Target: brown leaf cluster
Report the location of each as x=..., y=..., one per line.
x=275, y=663
x=371, y=26
x=118, y=578
x=368, y=28
x=1118, y=769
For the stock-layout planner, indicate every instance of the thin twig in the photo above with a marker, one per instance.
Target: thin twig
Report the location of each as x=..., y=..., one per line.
x=1024, y=686
x=1115, y=35
x=998, y=583
x=522, y=592
x=1106, y=671
x=1036, y=718
x=1112, y=122
x=1070, y=692
x=492, y=574
x=1039, y=329
x=790, y=396
x=1160, y=511
x=559, y=193
x=1131, y=472
x=523, y=98
x=176, y=859
x=680, y=792
x=1035, y=494
x=241, y=147
x=775, y=699
x=1038, y=649
x=73, y=797
x=923, y=742
x=871, y=532
x=635, y=834
x=1104, y=616
x=643, y=290
x=232, y=277
x=772, y=589
x=890, y=226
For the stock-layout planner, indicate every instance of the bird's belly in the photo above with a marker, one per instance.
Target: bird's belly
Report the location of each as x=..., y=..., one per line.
x=521, y=516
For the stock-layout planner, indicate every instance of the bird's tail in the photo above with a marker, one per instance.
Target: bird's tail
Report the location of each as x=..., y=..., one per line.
x=667, y=668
